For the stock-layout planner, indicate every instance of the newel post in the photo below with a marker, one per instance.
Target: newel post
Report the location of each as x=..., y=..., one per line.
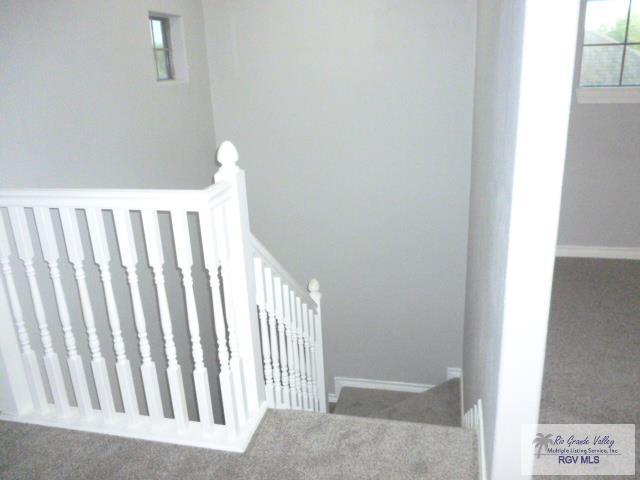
x=314, y=293
x=243, y=279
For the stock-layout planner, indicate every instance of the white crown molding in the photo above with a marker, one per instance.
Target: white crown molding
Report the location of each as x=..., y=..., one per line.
x=341, y=382
x=578, y=251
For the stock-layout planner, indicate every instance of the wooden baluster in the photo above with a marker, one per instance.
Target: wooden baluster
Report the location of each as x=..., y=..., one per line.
x=98, y=236
x=264, y=333
x=211, y=262
x=34, y=376
x=75, y=253
x=235, y=360
x=292, y=395
x=314, y=293
x=129, y=258
x=277, y=285
x=301, y=351
x=51, y=256
x=307, y=355
x=312, y=355
x=51, y=360
x=275, y=356
x=185, y=263
x=296, y=351
x=155, y=255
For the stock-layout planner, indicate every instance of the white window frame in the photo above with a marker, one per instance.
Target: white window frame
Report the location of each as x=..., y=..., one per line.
x=605, y=94
x=177, y=49
x=167, y=48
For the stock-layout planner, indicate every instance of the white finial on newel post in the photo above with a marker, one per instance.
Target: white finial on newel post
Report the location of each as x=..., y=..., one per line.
x=227, y=157
x=314, y=290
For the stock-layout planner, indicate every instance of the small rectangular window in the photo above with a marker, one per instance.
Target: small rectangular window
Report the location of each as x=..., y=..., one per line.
x=161, y=42
x=611, y=48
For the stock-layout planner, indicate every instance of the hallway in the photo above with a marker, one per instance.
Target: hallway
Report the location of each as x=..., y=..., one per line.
x=592, y=366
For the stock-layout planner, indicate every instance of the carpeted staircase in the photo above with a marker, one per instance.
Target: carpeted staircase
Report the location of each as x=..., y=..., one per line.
x=439, y=405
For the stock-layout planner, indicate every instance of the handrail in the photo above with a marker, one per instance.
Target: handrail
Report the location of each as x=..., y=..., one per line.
x=261, y=250
x=158, y=199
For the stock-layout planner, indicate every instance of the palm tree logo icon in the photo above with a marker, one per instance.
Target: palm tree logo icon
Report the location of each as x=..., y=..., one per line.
x=542, y=441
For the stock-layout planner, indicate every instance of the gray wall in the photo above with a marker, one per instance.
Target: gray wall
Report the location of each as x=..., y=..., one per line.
x=353, y=123
x=602, y=174
x=499, y=41
x=80, y=103
x=81, y=108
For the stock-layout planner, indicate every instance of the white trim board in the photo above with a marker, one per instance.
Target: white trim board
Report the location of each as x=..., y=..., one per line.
x=474, y=419
x=578, y=251
x=375, y=384
x=454, y=372
x=608, y=95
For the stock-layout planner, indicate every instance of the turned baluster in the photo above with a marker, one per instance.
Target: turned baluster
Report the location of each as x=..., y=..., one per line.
x=312, y=356
x=211, y=263
x=307, y=355
x=75, y=253
x=277, y=286
x=292, y=395
x=264, y=334
x=74, y=361
x=51, y=360
x=101, y=255
x=129, y=259
x=185, y=263
x=275, y=355
x=235, y=360
x=155, y=255
x=301, y=351
x=297, y=376
x=34, y=376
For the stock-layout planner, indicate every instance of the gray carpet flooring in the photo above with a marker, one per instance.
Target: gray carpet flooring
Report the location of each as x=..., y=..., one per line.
x=366, y=402
x=439, y=405
x=592, y=366
x=288, y=445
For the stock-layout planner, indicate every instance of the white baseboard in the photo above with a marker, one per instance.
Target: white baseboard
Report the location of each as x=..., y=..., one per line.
x=577, y=251
x=375, y=384
x=453, y=372
x=474, y=419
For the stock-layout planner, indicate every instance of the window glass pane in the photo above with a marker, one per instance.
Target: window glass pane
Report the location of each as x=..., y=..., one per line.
x=162, y=65
x=158, y=33
x=631, y=73
x=606, y=21
x=601, y=65
x=634, y=24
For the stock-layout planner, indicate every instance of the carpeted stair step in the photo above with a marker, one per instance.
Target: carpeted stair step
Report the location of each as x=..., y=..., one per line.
x=366, y=402
x=439, y=405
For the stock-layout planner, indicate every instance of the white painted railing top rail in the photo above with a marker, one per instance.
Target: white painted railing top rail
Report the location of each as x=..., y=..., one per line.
x=261, y=251
x=44, y=224
x=109, y=199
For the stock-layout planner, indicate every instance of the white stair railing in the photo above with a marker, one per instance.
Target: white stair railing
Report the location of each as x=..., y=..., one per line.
x=291, y=332
x=86, y=224
x=269, y=356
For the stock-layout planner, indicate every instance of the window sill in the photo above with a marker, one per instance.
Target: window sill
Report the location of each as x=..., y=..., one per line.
x=608, y=95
